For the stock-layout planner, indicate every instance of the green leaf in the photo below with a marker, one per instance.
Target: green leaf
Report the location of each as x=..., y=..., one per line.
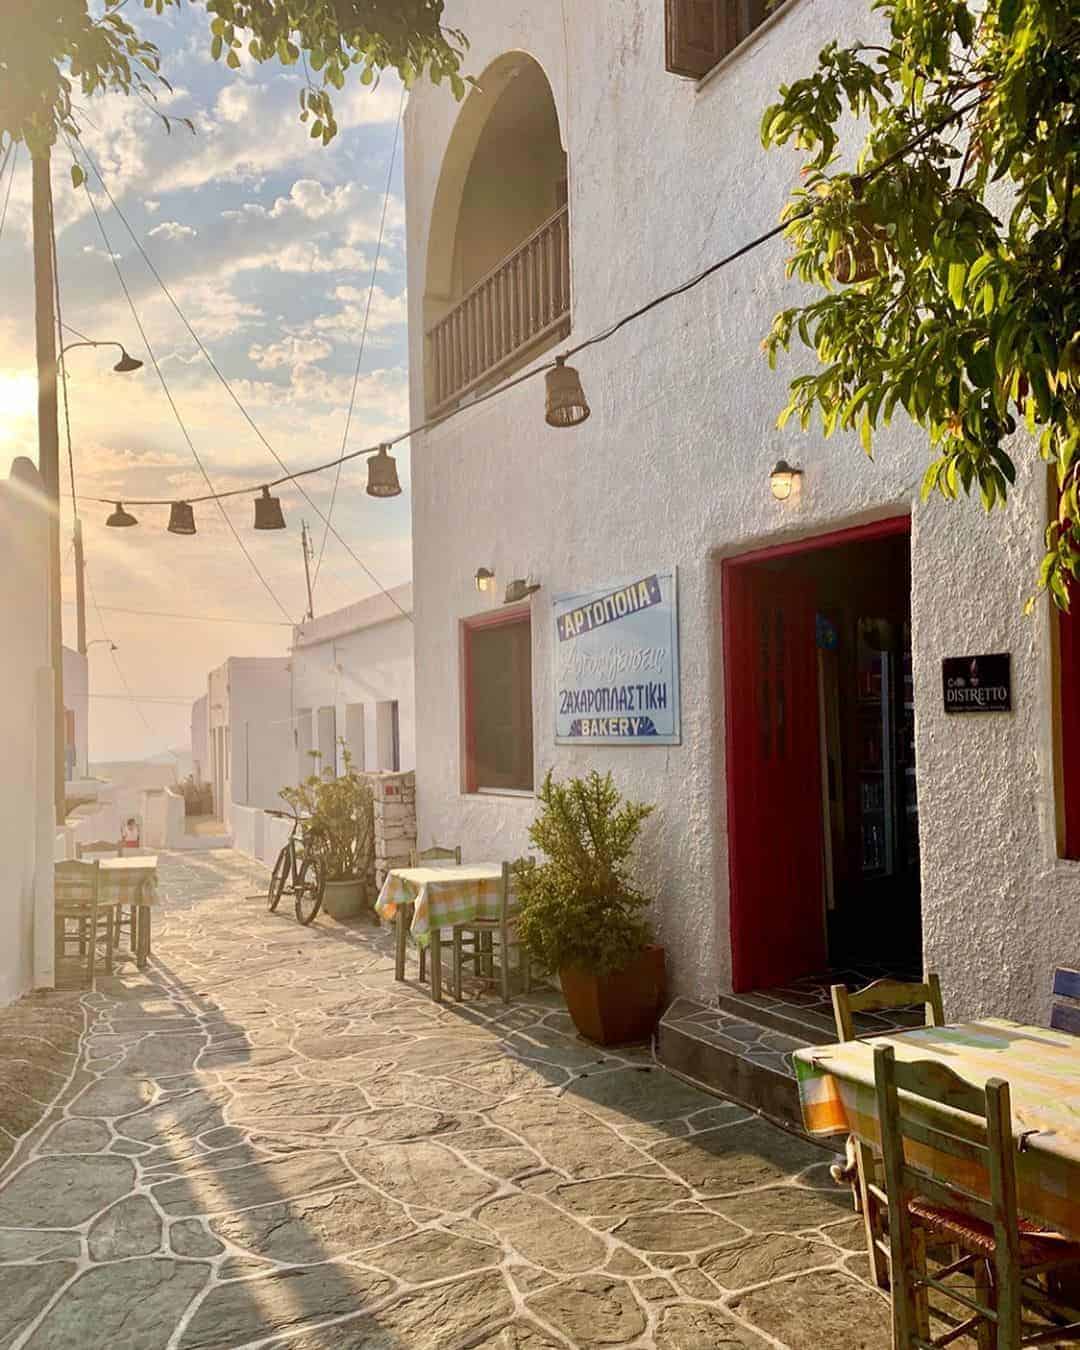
x=957, y=277
x=78, y=177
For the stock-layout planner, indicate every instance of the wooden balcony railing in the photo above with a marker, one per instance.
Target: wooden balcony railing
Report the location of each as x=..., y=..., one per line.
x=516, y=306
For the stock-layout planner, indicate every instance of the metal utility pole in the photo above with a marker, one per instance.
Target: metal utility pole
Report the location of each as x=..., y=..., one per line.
x=49, y=441
x=305, y=540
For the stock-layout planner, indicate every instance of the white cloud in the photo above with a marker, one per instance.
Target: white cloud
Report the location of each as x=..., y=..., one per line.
x=347, y=323
x=151, y=206
x=173, y=230
x=290, y=351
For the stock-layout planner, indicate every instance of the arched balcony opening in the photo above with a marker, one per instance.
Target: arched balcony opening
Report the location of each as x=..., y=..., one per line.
x=498, y=274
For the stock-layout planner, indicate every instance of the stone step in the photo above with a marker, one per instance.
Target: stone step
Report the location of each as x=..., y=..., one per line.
x=746, y=1060
x=810, y=1025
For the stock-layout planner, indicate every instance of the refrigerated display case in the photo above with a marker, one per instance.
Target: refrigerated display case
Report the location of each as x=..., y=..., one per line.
x=885, y=750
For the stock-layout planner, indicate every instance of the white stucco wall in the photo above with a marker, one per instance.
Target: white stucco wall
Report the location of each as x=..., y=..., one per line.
x=27, y=817
x=664, y=177
x=200, y=744
x=250, y=699
x=353, y=660
x=76, y=697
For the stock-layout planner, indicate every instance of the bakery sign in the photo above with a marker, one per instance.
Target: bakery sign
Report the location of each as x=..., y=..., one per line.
x=977, y=684
x=616, y=663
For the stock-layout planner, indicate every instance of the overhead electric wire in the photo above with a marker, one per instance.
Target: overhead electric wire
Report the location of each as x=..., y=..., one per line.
x=363, y=336
x=860, y=180
x=288, y=476
x=12, y=153
x=119, y=669
x=61, y=361
x=168, y=394
x=174, y=700
x=196, y=618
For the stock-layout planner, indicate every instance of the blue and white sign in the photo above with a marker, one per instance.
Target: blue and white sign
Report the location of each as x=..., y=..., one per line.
x=616, y=661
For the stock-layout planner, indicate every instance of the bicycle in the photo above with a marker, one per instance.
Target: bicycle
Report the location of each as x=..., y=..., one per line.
x=298, y=871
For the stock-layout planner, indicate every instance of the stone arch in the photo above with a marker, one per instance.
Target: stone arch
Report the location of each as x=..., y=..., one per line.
x=503, y=175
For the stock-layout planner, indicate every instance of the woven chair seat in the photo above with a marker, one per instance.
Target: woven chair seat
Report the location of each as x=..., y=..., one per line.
x=1038, y=1246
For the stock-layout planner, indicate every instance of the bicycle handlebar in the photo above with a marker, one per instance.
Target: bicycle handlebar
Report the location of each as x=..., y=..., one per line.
x=285, y=815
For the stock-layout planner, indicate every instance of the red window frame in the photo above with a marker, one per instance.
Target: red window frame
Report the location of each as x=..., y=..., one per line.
x=1069, y=725
x=518, y=614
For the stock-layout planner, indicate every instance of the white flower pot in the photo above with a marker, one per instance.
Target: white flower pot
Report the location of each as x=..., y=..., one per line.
x=345, y=899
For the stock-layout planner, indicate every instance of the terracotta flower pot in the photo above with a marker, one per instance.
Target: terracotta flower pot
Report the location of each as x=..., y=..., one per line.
x=617, y=1008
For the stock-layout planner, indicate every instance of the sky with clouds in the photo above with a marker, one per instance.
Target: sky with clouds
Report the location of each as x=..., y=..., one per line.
x=266, y=240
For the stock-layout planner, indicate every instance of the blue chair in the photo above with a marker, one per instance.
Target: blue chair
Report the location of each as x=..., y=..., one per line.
x=1065, y=1015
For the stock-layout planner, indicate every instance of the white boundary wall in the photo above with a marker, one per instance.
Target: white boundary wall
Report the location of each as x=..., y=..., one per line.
x=28, y=834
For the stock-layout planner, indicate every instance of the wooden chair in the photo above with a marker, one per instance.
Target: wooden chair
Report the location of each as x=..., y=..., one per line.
x=1002, y=1252
x=874, y=998
x=77, y=892
x=125, y=916
x=1065, y=1015
x=481, y=953
x=436, y=853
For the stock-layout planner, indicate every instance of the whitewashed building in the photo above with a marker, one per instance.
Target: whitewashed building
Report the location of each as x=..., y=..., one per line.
x=817, y=804
x=266, y=723
x=200, y=740
x=352, y=683
x=76, y=713
x=249, y=720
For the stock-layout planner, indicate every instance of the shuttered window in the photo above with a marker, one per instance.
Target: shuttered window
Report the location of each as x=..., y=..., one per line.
x=701, y=32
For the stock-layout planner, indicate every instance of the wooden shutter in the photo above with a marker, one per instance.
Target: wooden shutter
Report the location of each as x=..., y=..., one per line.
x=700, y=32
x=695, y=35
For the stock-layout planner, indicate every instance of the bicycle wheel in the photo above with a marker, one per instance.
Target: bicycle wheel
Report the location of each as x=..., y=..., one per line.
x=277, y=880
x=309, y=889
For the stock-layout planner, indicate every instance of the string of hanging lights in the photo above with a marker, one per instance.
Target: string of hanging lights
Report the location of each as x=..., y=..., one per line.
x=382, y=482
x=565, y=402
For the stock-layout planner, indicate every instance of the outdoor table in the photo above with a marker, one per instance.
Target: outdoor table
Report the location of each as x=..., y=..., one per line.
x=1042, y=1068
x=132, y=881
x=439, y=897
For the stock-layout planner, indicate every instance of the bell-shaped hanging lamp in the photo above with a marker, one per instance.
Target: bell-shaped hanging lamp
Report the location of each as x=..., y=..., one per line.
x=127, y=363
x=268, y=514
x=120, y=518
x=567, y=405
x=382, y=479
x=181, y=518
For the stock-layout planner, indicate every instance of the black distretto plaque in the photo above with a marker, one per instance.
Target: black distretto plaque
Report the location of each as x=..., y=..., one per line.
x=977, y=684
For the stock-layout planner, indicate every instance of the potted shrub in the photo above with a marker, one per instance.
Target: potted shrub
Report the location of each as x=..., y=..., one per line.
x=581, y=913
x=342, y=828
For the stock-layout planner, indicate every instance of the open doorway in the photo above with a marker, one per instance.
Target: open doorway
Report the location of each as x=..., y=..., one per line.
x=822, y=801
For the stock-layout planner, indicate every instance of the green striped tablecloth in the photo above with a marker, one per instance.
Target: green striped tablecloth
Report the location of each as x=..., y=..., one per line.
x=1042, y=1068
x=442, y=896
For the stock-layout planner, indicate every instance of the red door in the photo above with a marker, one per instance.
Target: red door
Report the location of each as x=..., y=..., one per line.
x=773, y=777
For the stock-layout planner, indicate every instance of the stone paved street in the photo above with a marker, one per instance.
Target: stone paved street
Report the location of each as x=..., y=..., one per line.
x=266, y=1140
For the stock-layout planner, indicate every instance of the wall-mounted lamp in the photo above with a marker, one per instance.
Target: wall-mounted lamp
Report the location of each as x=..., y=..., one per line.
x=485, y=580
x=519, y=589
x=782, y=479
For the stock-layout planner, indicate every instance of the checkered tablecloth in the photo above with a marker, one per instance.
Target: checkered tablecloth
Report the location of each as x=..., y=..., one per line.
x=442, y=896
x=1042, y=1068
x=129, y=881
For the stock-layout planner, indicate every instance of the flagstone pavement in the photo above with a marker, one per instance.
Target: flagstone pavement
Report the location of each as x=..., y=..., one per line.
x=264, y=1140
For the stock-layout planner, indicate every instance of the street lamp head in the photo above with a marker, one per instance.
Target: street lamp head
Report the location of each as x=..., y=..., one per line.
x=127, y=363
